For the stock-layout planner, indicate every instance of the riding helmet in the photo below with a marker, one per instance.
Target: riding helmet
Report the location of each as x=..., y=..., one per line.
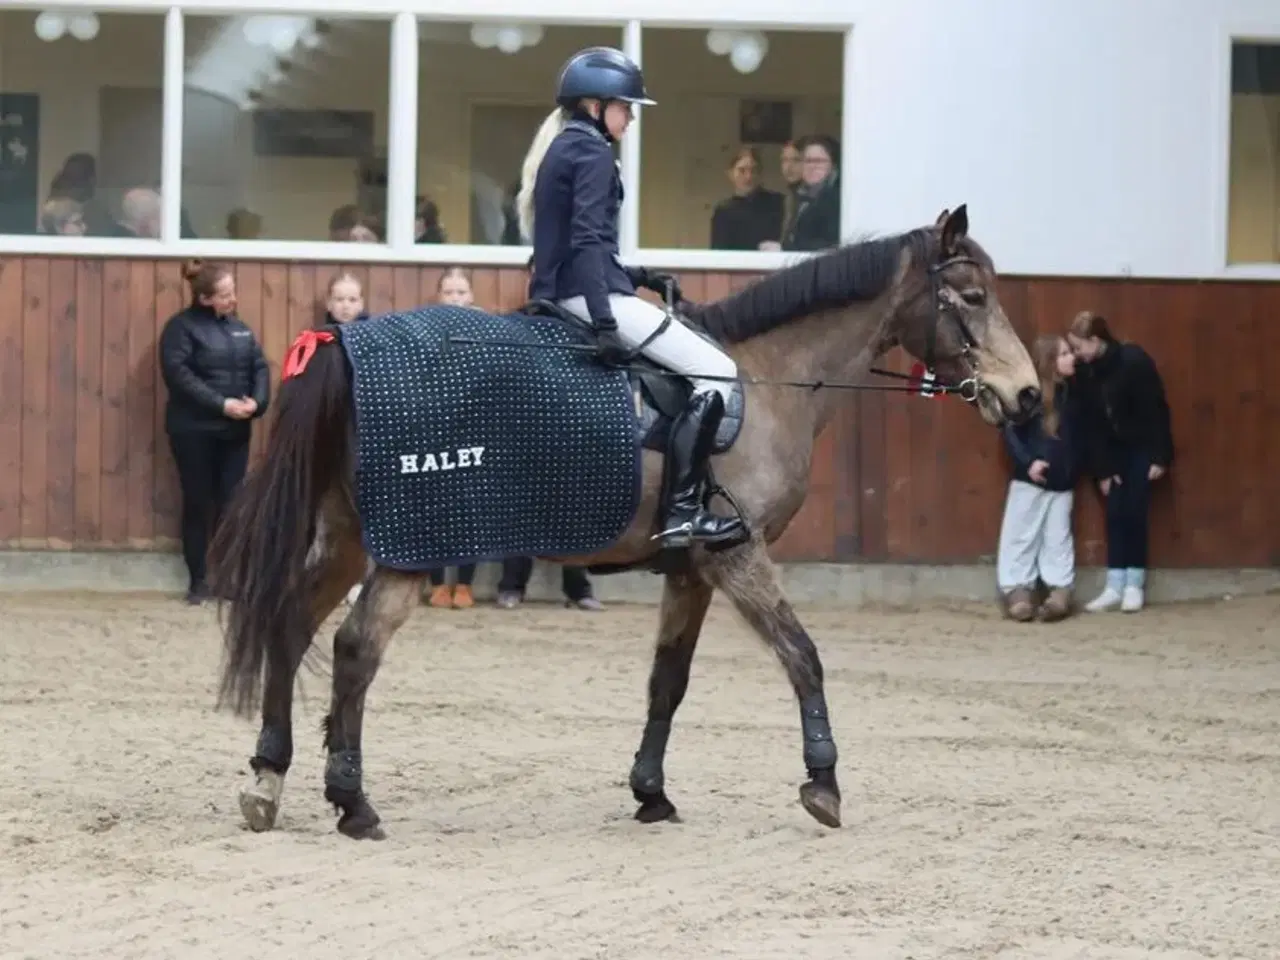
x=601, y=73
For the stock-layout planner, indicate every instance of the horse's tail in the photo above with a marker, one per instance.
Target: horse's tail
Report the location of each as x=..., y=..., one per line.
x=258, y=557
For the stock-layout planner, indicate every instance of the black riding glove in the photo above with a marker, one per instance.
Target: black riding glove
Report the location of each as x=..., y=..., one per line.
x=655, y=281
x=609, y=348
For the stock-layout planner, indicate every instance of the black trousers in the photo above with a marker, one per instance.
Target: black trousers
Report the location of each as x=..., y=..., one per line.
x=466, y=573
x=517, y=570
x=210, y=467
x=1128, y=504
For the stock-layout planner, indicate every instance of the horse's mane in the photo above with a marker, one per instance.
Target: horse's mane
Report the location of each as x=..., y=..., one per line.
x=858, y=271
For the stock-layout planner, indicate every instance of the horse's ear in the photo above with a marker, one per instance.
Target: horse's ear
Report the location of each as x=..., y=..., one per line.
x=942, y=217
x=955, y=229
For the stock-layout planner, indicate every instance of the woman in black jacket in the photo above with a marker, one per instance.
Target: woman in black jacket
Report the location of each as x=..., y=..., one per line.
x=815, y=225
x=1129, y=446
x=752, y=217
x=218, y=382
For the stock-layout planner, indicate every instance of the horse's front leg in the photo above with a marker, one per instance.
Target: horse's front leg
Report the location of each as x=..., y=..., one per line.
x=750, y=579
x=388, y=598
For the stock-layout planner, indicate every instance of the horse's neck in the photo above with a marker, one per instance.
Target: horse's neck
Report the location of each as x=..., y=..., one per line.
x=832, y=346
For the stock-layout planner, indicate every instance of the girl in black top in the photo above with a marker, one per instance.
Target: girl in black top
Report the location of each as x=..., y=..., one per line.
x=218, y=382
x=1129, y=446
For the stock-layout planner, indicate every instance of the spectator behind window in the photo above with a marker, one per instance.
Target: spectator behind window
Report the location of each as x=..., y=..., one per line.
x=62, y=216
x=752, y=218
x=426, y=223
x=816, y=224
x=348, y=224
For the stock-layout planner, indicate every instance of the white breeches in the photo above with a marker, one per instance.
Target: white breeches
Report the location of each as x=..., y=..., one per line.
x=678, y=349
x=1036, y=538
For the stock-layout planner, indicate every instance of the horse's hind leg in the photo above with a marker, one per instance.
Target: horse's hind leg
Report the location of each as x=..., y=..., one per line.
x=750, y=580
x=385, y=603
x=336, y=565
x=684, y=607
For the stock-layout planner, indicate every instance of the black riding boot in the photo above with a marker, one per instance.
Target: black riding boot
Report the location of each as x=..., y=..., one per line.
x=688, y=450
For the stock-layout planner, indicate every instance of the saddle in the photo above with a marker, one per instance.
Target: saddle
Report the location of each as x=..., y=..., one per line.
x=659, y=394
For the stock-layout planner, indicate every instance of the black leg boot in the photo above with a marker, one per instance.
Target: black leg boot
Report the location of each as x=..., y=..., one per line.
x=692, y=437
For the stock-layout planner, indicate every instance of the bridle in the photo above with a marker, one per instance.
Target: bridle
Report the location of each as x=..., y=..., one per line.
x=944, y=308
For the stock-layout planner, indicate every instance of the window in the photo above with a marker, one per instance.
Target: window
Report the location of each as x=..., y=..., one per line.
x=484, y=90
x=285, y=127
x=1253, y=214
x=742, y=151
x=80, y=122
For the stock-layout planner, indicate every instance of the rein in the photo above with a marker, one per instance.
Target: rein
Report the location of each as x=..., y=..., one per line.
x=967, y=389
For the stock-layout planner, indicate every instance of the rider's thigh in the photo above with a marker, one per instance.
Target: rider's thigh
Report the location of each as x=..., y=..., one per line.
x=678, y=348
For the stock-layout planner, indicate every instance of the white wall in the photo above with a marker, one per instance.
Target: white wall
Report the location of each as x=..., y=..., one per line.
x=1087, y=136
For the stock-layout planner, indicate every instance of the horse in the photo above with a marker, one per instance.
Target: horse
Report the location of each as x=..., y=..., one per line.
x=290, y=544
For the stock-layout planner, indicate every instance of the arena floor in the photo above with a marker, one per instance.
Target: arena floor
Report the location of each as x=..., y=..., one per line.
x=1108, y=788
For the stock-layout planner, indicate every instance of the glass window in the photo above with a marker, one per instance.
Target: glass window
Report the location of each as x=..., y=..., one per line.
x=742, y=151
x=285, y=127
x=484, y=90
x=1253, y=216
x=80, y=119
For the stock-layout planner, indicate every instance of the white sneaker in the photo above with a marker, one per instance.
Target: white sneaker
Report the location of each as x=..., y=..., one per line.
x=1133, y=600
x=1108, y=599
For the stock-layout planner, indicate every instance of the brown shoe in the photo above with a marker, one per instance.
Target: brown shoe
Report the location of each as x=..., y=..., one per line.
x=1018, y=604
x=1056, y=606
x=441, y=596
x=463, y=598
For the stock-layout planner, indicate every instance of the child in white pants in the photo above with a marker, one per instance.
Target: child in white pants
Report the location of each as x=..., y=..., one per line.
x=1036, y=541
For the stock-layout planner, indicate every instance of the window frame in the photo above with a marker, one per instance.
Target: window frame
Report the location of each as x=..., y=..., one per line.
x=835, y=16
x=1220, y=160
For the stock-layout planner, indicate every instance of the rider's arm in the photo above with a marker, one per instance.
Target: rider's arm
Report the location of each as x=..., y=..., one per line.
x=590, y=228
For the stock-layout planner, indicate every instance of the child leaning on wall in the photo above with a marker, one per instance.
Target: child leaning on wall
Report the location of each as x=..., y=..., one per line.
x=1035, y=534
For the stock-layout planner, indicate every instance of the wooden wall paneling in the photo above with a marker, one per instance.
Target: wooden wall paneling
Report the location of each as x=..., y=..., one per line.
x=404, y=287
x=379, y=294
x=88, y=401
x=115, y=393
x=140, y=401
x=84, y=459
x=172, y=297
x=35, y=403
x=61, y=454
x=846, y=505
x=12, y=375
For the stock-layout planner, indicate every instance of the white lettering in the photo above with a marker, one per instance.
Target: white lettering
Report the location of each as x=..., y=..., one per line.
x=462, y=458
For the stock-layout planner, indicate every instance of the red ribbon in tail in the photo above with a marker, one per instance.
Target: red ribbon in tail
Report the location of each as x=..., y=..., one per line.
x=302, y=350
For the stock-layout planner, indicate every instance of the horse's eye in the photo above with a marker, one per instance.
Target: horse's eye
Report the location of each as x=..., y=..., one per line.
x=975, y=297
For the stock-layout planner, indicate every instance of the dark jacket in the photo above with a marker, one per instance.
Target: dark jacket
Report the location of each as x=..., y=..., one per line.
x=205, y=359
x=576, y=199
x=328, y=319
x=1125, y=409
x=815, y=224
x=1028, y=442
x=743, y=223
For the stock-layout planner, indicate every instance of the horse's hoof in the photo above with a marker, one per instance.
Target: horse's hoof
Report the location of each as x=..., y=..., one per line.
x=260, y=801
x=656, y=809
x=361, y=822
x=821, y=802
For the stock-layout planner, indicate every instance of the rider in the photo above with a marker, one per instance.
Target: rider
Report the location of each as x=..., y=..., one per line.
x=568, y=204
